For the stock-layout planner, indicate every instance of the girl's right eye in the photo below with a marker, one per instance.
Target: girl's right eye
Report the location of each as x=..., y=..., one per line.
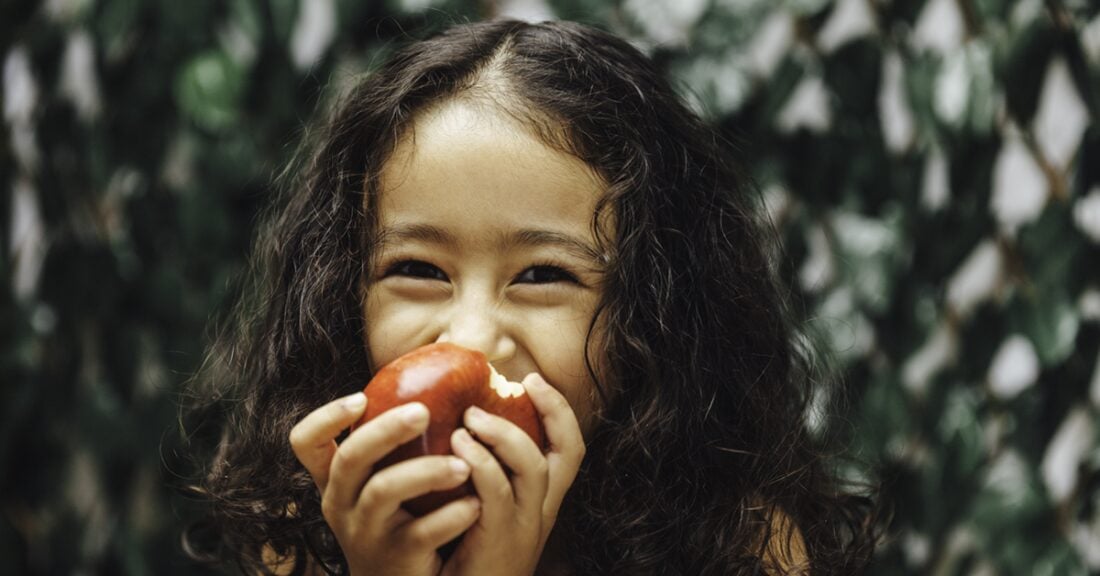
x=416, y=269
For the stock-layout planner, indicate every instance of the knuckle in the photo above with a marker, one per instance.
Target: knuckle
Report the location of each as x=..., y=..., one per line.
x=442, y=467
x=515, y=435
x=480, y=457
x=340, y=460
x=377, y=489
x=503, y=492
x=297, y=436
x=542, y=468
x=395, y=430
x=415, y=536
x=328, y=510
x=558, y=402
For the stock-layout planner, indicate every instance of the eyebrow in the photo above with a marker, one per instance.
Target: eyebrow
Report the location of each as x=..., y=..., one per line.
x=526, y=237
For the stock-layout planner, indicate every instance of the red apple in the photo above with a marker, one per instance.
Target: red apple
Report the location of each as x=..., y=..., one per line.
x=447, y=379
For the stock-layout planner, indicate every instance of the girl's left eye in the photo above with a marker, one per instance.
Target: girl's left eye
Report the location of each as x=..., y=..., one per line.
x=416, y=269
x=545, y=274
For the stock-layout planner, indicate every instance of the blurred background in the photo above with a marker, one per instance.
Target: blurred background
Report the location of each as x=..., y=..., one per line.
x=933, y=166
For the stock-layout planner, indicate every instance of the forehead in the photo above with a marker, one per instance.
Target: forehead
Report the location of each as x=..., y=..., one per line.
x=475, y=168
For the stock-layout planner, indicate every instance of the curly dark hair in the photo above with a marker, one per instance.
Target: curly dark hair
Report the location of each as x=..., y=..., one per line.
x=703, y=438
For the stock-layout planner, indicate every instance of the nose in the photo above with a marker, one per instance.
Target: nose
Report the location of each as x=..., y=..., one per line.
x=478, y=326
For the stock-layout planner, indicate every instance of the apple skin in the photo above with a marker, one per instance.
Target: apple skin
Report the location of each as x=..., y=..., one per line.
x=447, y=379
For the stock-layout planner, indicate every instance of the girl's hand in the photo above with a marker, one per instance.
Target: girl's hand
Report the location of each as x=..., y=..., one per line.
x=363, y=506
x=517, y=512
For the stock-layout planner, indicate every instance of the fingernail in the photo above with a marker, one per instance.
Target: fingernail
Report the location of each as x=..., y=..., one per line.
x=459, y=467
x=536, y=380
x=413, y=413
x=463, y=436
x=477, y=414
x=355, y=401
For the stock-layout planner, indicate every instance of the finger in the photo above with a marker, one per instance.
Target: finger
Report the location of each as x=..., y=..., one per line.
x=388, y=488
x=563, y=434
x=515, y=450
x=313, y=439
x=368, y=444
x=439, y=527
x=491, y=483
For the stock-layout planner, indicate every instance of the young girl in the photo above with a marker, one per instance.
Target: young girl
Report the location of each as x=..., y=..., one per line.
x=536, y=192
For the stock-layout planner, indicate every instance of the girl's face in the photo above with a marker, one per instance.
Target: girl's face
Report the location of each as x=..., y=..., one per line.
x=486, y=242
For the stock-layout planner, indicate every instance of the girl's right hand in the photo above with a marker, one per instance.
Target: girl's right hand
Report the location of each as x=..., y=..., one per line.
x=363, y=506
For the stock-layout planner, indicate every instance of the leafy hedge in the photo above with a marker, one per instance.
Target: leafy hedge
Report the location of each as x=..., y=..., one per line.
x=934, y=167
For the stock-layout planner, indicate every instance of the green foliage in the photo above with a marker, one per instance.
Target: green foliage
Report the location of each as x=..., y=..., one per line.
x=931, y=164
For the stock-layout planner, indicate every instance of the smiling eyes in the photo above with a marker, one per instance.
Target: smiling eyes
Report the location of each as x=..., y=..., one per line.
x=537, y=274
x=416, y=269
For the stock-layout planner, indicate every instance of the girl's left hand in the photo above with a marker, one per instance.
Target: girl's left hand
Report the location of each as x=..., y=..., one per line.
x=517, y=513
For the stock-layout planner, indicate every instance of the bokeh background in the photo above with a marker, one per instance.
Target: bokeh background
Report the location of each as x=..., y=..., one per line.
x=933, y=166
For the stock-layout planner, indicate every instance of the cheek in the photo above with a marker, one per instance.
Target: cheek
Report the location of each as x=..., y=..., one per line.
x=568, y=371
x=388, y=327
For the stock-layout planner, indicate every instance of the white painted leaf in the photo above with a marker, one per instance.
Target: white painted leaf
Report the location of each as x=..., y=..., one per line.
x=666, y=23
x=819, y=268
x=849, y=20
x=725, y=79
x=1088, y=305
x=28, y=240
x=808, y=107
x=770, y=43
x=1025, y=12
x=418, y=5
x=1086, y=214
x=66, y=11
x=526, y=10
x=937, y=352
x=313, y=32
x=1019, y=186
x=976, y=279
x=850, y=333
x=238, y=44
x=777, y=201
x=1015, y=368
x=917, y=548
x=935, y=183
x=1008, y=476
x=78, y=76
x=863, y=236
x=895, y=115
x=20, y=100
x=869, y=247
x=940, y=27
x=20, y=88
x=1086, y=540
x=1090, y=40
x=1065, y=452
x=1094, y=384
x=43, y=319
x=952, y=89
x=1062, y=117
